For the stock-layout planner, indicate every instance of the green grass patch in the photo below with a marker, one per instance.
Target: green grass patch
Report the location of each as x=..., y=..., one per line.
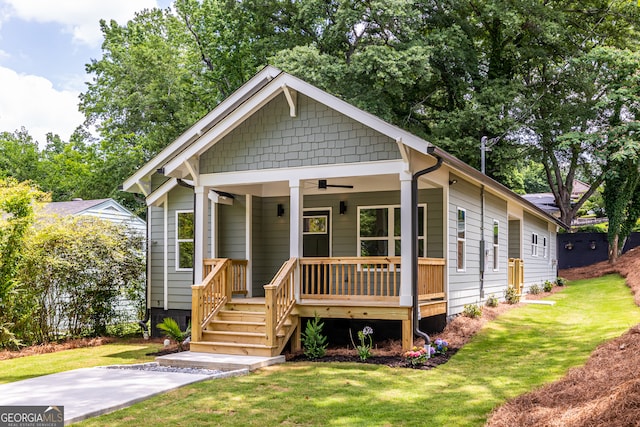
x=22, y=368
x=525, y=348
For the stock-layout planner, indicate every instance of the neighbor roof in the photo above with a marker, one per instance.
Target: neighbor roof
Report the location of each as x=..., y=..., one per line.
x=72, y=207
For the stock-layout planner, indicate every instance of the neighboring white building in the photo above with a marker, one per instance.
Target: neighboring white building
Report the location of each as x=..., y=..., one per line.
x=107, y=209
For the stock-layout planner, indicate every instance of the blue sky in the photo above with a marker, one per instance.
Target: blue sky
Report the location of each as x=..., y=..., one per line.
x=44, y=46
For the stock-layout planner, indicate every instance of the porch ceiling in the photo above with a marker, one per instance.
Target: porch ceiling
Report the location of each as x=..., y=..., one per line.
x=361, y=184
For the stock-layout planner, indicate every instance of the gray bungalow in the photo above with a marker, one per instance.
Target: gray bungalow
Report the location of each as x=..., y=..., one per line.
x=285, y=200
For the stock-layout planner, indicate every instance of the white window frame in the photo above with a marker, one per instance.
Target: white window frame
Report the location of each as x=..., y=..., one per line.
x=496, y=245
x=178, y=241
x=534, y=244
x=391, y=238
x=462, y=240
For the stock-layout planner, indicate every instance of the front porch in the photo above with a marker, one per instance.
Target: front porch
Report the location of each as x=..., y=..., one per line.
x=225, y=321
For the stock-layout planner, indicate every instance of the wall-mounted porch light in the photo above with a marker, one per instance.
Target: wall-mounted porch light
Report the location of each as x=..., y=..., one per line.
x=343, y=207
x=280, y=209
x=569, y=246
x=592, y=245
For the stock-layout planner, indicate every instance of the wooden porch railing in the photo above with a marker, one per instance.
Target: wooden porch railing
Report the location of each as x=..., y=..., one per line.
x=376, y=278
x=430, y=278
x=210, y=296
x=238, y=273
x=279, y=300
x=515, y=275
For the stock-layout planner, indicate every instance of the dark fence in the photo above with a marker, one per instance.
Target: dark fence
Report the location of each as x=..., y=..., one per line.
x=580, y=249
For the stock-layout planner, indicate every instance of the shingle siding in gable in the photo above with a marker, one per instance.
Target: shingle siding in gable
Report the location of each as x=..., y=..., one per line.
x=270, y=138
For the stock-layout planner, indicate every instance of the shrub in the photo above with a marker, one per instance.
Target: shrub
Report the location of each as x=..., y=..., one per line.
x=548, y=286
x=511, y=295
x=560, y=281
x=535, y=289
x=173, y=331
x=441, y=346
x=364, y=349
x=314, y=343
x=472, y=311
x=418, y=355
x=492, y=301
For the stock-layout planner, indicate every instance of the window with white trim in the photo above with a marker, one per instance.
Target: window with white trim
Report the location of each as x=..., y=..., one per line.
x=534, y=244
x=184, y=240
x=544, y=247
x=379, y=230
x=496, y=245
x=461, y=237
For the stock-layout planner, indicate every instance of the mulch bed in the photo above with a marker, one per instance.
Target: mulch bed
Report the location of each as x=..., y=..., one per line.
x=392, y=361
x=603, y=392
x=52, y=347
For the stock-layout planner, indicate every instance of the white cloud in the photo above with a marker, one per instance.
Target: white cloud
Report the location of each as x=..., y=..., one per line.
x=32, y=102
x=80, y=18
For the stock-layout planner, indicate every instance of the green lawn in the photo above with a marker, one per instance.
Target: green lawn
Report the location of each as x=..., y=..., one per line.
x=521, y=350
x=42, y=364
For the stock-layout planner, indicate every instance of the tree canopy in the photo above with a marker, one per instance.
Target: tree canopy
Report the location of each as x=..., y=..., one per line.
x=538, y=79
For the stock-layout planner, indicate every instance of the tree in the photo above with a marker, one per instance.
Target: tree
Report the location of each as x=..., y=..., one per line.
x=16, y=216
x=78, y=272
x=19, y=156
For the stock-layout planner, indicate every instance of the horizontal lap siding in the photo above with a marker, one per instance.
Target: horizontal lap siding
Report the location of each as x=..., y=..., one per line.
x=271, y=236
x=156, y=219
x=538, y=269
x=495, y=282
x=179, y=282
x=180, y=199
x=464, y=286
x=318, y=135
x=345, y=227
x=231, y=229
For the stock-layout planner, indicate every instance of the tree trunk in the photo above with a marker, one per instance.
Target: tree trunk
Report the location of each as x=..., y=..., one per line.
x=613, y=250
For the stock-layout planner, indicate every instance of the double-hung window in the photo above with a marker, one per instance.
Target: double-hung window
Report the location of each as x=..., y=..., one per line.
x=461, y=237
x=544, y=247
x=184, y=240
x=534, y=244
x=379, y=231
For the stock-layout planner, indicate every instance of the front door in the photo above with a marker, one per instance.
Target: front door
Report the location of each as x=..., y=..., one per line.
x=315, y=233
x=315, y=243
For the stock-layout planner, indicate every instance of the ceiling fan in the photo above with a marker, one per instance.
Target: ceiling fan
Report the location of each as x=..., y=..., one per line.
x=322, y=184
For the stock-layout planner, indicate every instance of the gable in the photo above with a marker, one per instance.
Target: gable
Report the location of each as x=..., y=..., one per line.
x=318, y=135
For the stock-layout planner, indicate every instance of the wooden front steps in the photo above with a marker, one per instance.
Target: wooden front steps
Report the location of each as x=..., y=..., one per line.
x=240, y=328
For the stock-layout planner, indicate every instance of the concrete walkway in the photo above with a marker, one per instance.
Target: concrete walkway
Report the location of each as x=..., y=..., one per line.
x=89, y=392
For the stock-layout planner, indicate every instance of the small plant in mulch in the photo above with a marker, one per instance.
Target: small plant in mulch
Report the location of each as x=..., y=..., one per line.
x=535, y=289
x=365, y=336
x=472, y=310
x=548, y=286
x=314, y=343
x=511, y=295
x=172, y=331
x=492, y=301
x=560, y=281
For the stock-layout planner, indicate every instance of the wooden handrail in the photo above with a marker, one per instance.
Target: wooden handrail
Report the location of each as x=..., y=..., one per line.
x=431, y=278
x=279, y=300
x=238, y=272
x=209, y=297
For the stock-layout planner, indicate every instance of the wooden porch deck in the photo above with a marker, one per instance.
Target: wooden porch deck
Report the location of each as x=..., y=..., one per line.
x=345, y=288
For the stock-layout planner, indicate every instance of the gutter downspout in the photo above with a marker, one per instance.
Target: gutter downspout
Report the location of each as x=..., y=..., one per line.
x=147, y=309
x=414, y=241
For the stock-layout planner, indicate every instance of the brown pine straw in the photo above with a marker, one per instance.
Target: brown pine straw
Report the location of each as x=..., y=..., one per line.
x=605, y=391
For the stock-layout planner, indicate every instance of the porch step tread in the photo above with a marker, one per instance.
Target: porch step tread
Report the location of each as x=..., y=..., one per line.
x=234, y=333
x=236, y=322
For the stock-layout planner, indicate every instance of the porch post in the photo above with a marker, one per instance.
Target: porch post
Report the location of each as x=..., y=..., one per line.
x=295, y=228
x=406, y=279
x=200, y=232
